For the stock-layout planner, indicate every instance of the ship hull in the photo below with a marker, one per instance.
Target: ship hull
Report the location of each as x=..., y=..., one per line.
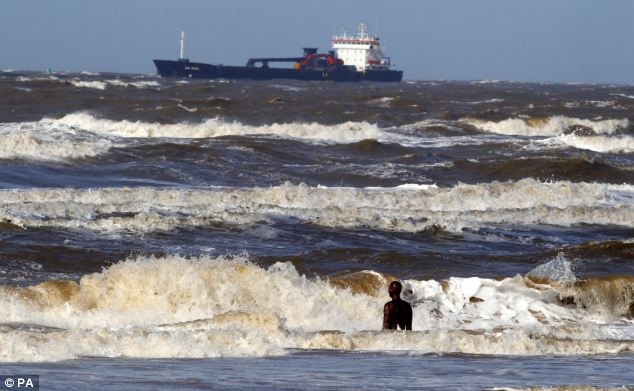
x=196, y=70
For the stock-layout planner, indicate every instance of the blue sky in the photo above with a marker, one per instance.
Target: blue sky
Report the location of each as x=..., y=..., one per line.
x=517, y=40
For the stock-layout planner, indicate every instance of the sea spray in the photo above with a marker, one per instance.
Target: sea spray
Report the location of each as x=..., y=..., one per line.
x=173, y=306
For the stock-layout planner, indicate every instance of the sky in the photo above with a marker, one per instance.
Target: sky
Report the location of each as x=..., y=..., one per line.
x=585, y=41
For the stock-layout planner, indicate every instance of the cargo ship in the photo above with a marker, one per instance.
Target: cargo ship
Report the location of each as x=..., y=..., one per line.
x=353, y=58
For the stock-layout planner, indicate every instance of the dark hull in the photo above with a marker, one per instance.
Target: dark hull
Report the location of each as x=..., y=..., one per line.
x=197, y=70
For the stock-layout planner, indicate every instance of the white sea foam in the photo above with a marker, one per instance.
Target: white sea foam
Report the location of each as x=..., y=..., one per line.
x=188, y=109
x=215, y=127
x=479, y=102
x=35, y=141
x=103, y=84
x=590, y=103
x=549, y=126
x=385, y=101
x=83, y=135
x=600, y=143
x=136, y=84
x=486, y=82
x=210, y=307
x=408, y=208
x=289, y=88
x=620, y=144
x=424, y=134
x=417, y=135
x=624, y=96
x=96, y=84
x=348, y=132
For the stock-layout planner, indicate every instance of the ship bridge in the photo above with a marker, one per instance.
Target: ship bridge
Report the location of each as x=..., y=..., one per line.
x=362, y=51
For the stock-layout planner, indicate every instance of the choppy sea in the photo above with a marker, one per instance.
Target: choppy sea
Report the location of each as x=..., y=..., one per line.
x=195, y=234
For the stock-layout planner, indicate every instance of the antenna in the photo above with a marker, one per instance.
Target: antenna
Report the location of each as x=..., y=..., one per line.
x=362, y=32
x=376, y=25
x=182, y=54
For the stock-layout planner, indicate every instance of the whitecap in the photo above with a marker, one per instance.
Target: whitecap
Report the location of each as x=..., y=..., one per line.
x=216, y=127
x=175, y=307
x=547, y=126
x=410, y=208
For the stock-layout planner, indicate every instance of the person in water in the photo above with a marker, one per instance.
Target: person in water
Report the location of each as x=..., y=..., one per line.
x=398, y=312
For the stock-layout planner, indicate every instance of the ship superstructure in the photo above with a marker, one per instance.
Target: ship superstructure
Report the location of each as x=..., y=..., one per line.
x=362, y=50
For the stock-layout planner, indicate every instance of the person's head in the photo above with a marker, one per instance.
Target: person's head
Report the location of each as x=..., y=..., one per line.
x=395, y=289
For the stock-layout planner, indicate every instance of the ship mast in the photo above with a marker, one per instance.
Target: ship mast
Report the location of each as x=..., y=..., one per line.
x=182, y=52
x=362, y=31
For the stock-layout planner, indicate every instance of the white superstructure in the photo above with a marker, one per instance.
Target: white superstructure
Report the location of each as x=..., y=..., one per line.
x=361, y=50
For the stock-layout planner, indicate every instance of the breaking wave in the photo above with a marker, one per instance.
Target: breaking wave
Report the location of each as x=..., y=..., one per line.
x=95, y=84
x=546, y=126
x=103, y=84
x=210, y=307
x=409, y=208
x=30, y=140
x=215, y=127
x=82, y=134
x=600, y=143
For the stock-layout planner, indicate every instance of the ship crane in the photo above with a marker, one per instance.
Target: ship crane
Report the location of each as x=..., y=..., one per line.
x=311, y=60
x=266, y=60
